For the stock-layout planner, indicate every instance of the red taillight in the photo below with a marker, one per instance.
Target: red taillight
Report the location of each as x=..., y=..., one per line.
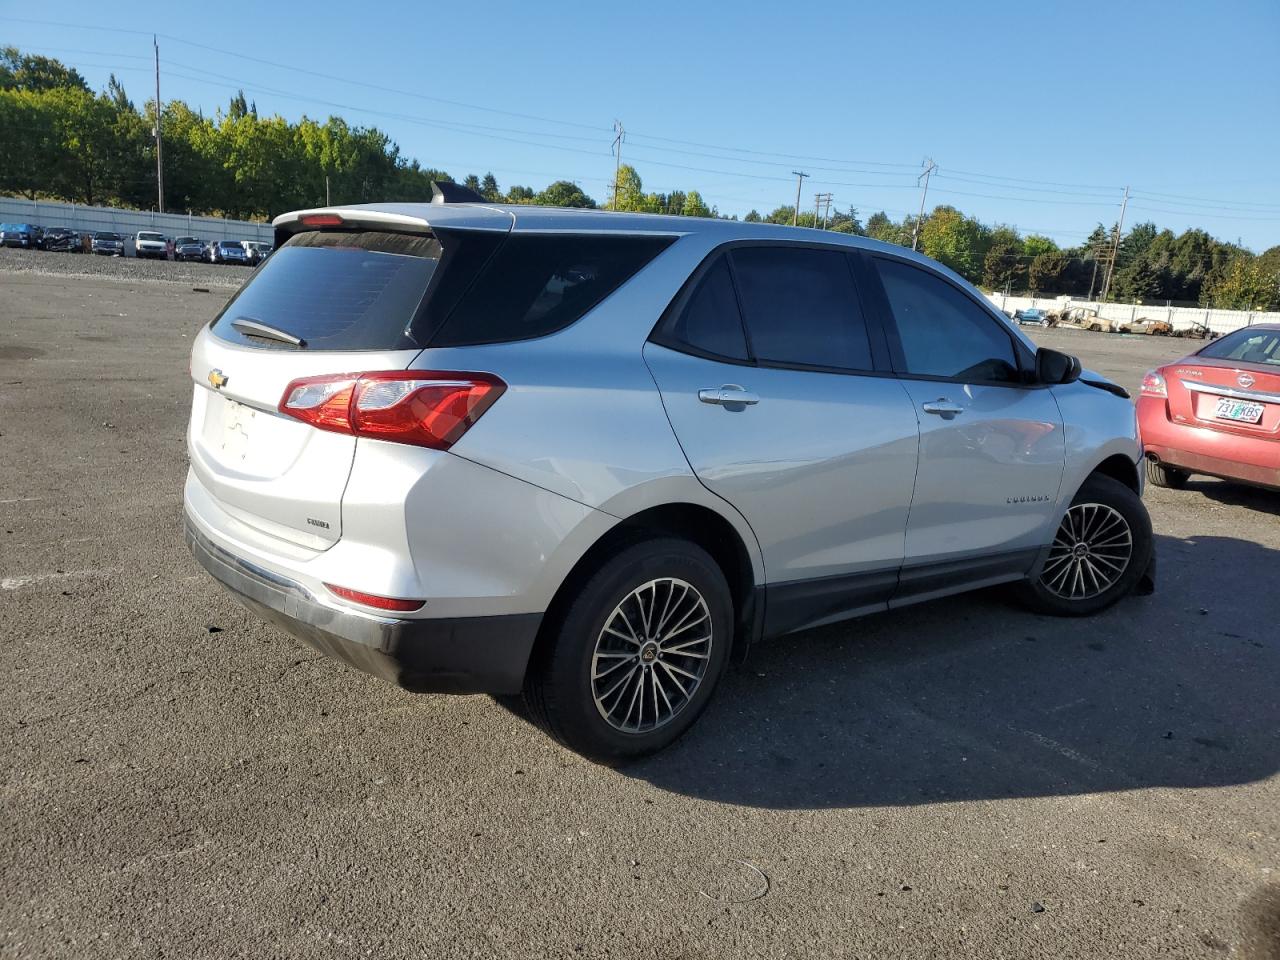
x=422, y=407
x=1153, y=385
x=373, y=600
x=320, y=220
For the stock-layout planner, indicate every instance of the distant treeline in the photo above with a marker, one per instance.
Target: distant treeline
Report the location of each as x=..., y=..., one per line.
x=60, y=140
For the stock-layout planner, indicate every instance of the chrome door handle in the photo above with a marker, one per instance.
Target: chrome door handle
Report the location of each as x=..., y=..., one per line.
x=728, y=394
x=942, y=407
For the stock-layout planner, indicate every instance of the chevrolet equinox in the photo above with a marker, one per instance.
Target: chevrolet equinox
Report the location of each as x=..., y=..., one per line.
x=591, y=456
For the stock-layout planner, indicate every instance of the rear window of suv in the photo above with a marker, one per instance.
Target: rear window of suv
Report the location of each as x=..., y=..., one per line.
x=365, y=290
x=337, y=291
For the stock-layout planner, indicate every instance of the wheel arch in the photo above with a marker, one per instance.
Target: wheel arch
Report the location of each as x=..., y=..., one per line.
x=1119, y=467
x=695, y=522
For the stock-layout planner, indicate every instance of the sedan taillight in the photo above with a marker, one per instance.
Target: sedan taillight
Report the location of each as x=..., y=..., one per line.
x=1153, y=385
x=425, y=408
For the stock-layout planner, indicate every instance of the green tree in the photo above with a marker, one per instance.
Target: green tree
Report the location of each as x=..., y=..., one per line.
x=1034, y=245
x=36, y=74
x=564, y=193
x=1045, y=270
x=693, y=205
x=489, y=188
x=951, y=238
x=753, y=216
x=1003, y=266
x=1245, y=285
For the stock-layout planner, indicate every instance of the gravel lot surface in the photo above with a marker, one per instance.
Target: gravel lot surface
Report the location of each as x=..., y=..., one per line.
x=121, y=268
x=960, y=779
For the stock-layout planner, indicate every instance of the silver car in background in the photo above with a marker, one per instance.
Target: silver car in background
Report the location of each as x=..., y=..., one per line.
x=590, y=456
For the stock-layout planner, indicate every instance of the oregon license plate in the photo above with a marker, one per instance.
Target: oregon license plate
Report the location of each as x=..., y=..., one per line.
x=1241, y=411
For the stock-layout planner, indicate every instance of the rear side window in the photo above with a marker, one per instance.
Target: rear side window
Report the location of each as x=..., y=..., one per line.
x=944, y=333
x=710, y=321
x=337, y=291
x=801, y=307
x=536, y=284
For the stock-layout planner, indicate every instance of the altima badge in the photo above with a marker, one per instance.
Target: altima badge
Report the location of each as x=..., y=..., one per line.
x=217, y=380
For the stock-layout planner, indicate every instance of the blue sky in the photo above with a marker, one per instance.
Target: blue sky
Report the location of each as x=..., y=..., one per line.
x=1037, y=114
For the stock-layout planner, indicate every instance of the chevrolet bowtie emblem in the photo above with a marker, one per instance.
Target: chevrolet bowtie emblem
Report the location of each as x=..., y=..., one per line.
x=217, y=380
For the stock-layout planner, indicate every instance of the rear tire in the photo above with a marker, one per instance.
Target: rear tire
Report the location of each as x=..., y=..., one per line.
x=1100, y=551
x=1158, y=475
x=658, y=617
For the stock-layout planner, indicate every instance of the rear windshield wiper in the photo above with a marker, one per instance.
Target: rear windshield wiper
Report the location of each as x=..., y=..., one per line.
x=256, y=328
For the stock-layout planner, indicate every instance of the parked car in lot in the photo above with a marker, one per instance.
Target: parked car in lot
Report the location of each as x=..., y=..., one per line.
x=586, y=455
x=1216, y=412
x=26, y=236
x=1032, y=316
x=149, y=245
x=62, y=240
x=188, y=248
x=107, y=244
x=256, y=250
x=227, y=251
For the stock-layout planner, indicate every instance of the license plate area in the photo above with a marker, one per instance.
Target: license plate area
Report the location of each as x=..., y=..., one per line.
x=237, y=427
x=1238, y=411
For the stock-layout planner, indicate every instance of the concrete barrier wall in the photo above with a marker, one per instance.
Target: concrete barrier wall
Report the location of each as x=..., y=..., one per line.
x=1219, y=321
x=84, y=219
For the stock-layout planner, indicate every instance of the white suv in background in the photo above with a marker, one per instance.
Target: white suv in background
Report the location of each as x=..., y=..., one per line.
x=585, y=455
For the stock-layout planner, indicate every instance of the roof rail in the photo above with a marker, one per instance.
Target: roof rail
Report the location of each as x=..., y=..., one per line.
x=444, y=191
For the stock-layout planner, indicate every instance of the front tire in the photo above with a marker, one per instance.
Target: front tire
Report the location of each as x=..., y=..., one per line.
x=633, y=659
x=1159, y=475
x=1100, y=551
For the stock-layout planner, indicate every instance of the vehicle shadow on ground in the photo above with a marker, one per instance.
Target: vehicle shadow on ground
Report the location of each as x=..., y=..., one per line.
x=972, y=698
x=1235, y=495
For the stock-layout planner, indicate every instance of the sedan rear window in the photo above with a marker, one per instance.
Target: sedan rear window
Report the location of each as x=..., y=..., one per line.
x=337, y=291
x=1249, y=346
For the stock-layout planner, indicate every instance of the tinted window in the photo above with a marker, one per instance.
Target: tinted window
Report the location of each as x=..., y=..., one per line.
x=943, y=332
x=1251, y=346
x=537, y=284
x=800, y=306
x=710, y=321
x=337, y=290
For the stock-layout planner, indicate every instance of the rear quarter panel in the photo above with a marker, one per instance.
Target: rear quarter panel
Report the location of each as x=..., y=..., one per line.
x=582, y=416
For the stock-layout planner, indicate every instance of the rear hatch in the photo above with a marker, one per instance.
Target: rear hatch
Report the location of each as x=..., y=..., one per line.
x=327, y=302
x=1231, y=386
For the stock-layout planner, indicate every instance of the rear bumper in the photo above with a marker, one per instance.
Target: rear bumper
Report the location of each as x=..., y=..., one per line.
x=1206, y=451
x=441, y=655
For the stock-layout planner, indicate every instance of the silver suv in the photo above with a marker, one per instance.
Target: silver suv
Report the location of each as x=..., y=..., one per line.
x=592, y=456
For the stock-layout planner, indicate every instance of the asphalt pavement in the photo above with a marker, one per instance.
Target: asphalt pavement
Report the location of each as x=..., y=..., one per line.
x=959, y=779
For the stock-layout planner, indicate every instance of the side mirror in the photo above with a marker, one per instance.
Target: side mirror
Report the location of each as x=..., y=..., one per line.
x=1053, y=366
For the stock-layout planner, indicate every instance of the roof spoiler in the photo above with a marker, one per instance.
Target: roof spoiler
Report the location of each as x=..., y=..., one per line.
x=443, y=191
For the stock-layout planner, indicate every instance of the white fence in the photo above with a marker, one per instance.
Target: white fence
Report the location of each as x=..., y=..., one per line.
x=1219, y=321
x=84, y=219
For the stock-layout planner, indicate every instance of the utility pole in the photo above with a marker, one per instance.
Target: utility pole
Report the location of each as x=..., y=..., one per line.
x=159, y=161
x=929, y=167
x=821, y=208
x=1115, y=248
x=619, y=135
x=795, y=213
x=326, y=190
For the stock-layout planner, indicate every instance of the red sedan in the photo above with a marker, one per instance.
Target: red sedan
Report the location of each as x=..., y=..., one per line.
x=1216, y=412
